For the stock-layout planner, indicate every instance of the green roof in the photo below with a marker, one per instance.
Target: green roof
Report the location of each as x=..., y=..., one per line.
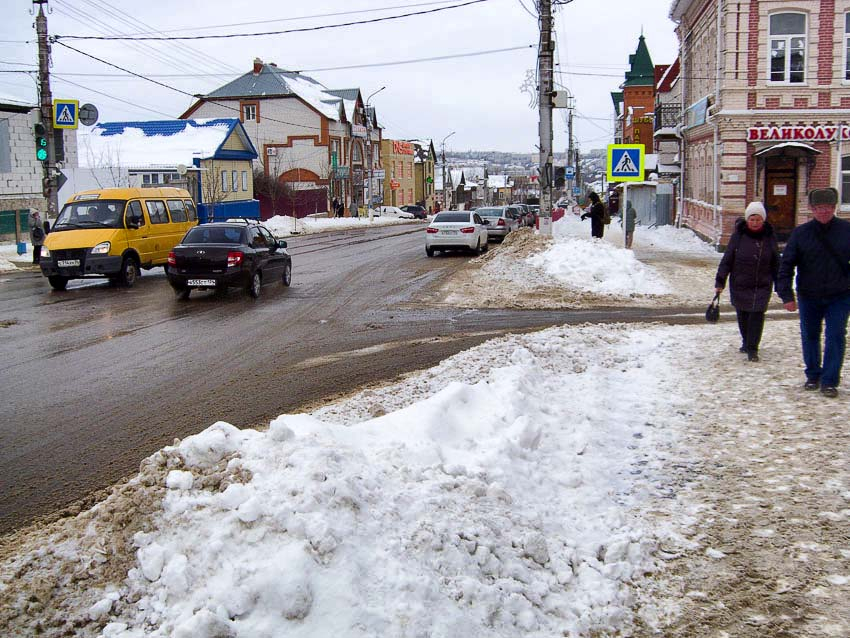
x=642, y=71
x=617, y=98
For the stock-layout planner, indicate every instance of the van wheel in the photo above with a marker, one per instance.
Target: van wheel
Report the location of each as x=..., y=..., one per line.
x=57, y=282
x=287, y=275
x=129, y=272
x=256, y=283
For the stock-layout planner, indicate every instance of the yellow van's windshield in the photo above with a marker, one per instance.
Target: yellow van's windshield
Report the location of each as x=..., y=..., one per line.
x=102, y=213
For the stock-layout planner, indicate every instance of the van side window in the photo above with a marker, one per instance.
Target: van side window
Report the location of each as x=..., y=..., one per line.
x=156, y=211
x=134, y=209
x=190, y=210
x=175, y=208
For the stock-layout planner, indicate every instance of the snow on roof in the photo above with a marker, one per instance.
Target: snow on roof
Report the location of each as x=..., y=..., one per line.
x=497, y=181
x=168, y=142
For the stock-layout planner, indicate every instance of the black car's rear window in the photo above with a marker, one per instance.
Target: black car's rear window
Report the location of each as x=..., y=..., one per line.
x=214, y=235
x=452, y=217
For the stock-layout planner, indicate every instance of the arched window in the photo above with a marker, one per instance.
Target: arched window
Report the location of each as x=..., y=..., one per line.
x=787, y=47
x=356, y=153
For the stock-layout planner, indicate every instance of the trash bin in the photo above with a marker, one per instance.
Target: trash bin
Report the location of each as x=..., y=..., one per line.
x=22, y=247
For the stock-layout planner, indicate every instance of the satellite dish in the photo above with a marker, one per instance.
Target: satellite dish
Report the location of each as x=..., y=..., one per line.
x=181, y=169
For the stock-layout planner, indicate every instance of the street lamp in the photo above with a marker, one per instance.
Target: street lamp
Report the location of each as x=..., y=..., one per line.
x=369, y=143
x=443, y=154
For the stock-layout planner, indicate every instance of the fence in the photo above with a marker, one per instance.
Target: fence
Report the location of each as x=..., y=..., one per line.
x=303, y=203
x=9, y=230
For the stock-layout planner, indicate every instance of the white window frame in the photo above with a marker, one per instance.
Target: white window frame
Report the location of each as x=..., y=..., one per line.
x=786, y=40
x=847, y=47
x=244, y=180
x=249, y=112
x=224, y=181
x=234, y=181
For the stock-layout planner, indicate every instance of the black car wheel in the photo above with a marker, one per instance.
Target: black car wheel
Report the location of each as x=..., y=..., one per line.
x=429, y=252
x=183, y=293
x=287, y=274
x=57, y=282
x=129, y=272
x=256, y=283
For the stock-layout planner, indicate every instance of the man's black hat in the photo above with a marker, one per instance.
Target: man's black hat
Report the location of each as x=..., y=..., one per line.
x=828, y=196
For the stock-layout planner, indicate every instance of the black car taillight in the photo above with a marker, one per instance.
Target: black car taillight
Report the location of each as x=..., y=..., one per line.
x=234, y=258
x=172, y=259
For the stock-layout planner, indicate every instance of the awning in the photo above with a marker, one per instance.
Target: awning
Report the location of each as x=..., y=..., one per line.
x=787, y=149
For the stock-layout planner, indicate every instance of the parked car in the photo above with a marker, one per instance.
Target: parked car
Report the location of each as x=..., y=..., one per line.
x=391, y=211
x=228, y=254
x=418, y=212
x=526, y=216
x=501, y=221
x=114, y=232
x=456, y=229
x=535, y=212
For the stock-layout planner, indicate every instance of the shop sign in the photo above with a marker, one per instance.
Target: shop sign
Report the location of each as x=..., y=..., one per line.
x=340, y=172
x=796, y=133
x=358, y=130
x=379, y=173
x=394, y=185
x=402, y=148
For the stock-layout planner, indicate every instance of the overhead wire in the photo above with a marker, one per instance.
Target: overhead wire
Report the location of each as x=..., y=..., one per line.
x=265, y=33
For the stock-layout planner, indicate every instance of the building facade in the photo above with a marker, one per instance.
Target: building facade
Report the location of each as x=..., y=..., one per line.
x=766, y=86
x=399, y=181
x=424, y=161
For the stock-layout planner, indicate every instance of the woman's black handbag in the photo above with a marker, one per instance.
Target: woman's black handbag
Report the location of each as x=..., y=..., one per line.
x=712, y=313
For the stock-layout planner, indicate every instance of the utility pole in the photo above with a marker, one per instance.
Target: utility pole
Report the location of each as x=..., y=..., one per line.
x=46, y=109
x=369, y=114
x=570, y=151
x=443, y=156
x=545, y=83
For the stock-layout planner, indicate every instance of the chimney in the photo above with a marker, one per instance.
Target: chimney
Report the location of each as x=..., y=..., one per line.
x=258, y=66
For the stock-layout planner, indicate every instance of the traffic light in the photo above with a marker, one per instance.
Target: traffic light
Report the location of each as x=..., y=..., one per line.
x=40, y=141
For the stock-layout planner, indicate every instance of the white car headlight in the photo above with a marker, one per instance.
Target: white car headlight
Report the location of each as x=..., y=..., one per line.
x=101, y=249
x=45, y=251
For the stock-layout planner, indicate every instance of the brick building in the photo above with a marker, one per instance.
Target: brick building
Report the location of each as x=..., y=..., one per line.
x=767, y=89
x=399, y=183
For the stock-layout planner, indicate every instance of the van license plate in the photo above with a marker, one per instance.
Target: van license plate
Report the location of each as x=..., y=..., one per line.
x=68, y=263
x=200, y=282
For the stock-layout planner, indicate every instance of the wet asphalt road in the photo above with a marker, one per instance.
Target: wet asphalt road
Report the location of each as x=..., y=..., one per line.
x=96, y=378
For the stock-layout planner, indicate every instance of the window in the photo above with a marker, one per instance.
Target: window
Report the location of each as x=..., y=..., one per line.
x=224, y=181
x=356, y=154
x=845, y=180
x=249, y=112
x=190, y=210
x=788, y=47
x=156, y=211
x=847, y=46
x=176, y=209
x=235, y=181
x=134, y=213
x=244, y=180
x=410, y=195
x=401, y=197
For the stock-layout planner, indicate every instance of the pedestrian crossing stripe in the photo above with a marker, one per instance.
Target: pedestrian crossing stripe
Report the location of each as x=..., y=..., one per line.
x=66, y=113
x=625, y=162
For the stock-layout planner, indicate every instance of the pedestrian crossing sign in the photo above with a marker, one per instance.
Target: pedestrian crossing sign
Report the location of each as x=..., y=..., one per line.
x=66, y=113
x=625, y=162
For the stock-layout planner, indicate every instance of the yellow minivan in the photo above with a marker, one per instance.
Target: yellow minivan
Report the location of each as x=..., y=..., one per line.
x=113, y=232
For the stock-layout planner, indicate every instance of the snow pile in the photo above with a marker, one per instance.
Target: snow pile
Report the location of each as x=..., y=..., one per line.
x=501, y=505
x=598, y=267
x=284, y=225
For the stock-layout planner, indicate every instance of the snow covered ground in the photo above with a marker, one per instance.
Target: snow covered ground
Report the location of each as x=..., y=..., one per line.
x=548, y=484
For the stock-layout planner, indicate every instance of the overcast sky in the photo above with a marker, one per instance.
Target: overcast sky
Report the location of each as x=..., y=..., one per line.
x=477, y=96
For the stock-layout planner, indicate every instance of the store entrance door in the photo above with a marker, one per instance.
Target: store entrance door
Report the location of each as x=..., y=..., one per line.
x=780, y=194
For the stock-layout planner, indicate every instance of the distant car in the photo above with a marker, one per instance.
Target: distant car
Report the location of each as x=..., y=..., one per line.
x=456, y=229
x=527, y=217
x=392, y=211
x=222, y=255
x=501, y=221
x=418, y=212
x=535, y=211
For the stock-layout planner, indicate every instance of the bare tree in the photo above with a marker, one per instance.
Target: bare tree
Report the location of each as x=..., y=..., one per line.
x=212, y=187
x=105, y=165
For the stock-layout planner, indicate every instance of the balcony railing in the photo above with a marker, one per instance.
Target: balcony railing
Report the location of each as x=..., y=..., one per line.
x=668, y=115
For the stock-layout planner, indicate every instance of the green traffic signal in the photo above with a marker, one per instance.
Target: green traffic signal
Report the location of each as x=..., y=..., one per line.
x=40, y=141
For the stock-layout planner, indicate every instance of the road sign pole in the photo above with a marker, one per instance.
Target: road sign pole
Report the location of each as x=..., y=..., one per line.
x=624, y=207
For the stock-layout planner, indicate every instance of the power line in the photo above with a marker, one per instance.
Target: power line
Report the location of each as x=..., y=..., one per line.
x=264, y=33
x=432, y=59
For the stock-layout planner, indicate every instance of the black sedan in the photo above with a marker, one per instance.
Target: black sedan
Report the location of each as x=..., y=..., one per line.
x=228, y=254
x=418, y=212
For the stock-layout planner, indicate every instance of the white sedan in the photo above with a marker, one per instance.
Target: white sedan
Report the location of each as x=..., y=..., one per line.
x=456, y=229
x=392, y=211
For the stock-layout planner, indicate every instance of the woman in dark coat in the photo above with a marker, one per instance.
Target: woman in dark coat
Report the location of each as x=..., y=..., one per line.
x=596, y=212
x=751, y=262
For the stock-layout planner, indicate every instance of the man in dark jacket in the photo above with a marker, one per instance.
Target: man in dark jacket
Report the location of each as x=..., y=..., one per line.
x=820, y=251
x=596, y=214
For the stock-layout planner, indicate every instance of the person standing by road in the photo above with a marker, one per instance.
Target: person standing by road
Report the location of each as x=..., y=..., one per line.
x=819, y=251
x=36, y=235
x=596, y=212
x=631, y=218
x=751, y=262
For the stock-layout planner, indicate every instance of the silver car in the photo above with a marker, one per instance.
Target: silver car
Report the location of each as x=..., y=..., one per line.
x=456, y=229
x=501, y=220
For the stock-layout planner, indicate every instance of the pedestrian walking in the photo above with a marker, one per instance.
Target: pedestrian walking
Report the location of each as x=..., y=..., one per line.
x=596, y=212
x=751, y=262
x=36, y=235
x=631, y=219
x=819, y=251
x=335, y=207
